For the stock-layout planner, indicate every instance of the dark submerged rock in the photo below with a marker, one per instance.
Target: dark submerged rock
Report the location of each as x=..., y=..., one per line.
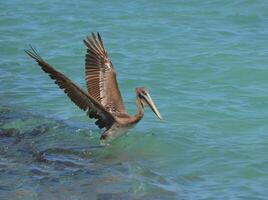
x=11, y=132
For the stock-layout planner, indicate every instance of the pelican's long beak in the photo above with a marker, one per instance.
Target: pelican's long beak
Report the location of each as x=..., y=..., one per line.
x=150, y=102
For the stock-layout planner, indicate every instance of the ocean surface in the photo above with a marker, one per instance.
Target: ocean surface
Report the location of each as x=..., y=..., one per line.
x=205, y=64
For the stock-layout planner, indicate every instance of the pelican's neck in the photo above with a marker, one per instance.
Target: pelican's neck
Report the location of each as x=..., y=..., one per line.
x=140, y=110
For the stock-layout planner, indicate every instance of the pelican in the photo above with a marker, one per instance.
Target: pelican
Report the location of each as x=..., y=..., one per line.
x=103, y=100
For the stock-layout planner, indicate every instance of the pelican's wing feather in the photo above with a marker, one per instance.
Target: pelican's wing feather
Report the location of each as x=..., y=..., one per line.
x=77, y=95
x=101, y=76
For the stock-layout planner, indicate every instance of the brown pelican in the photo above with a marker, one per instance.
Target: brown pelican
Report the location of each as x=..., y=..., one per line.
x=103, y=100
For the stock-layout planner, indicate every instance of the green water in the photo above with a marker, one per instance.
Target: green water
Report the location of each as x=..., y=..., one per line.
x=206, y=66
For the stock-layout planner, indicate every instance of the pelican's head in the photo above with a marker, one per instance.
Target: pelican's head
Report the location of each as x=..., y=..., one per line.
x=145, y=98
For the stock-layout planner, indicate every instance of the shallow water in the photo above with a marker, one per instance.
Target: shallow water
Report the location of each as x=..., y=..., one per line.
x=205, y=64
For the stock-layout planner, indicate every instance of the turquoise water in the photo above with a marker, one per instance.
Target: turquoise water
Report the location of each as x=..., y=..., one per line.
x=206, y=66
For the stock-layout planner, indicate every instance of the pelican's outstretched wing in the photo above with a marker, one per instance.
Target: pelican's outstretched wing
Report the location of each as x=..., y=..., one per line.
x=101, y=76
x=78, y=96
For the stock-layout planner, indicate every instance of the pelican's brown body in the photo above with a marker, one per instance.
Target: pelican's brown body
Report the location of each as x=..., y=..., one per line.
x=103, y=100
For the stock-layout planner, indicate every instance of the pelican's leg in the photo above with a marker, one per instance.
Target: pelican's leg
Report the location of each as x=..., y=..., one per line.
x=115, y=131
